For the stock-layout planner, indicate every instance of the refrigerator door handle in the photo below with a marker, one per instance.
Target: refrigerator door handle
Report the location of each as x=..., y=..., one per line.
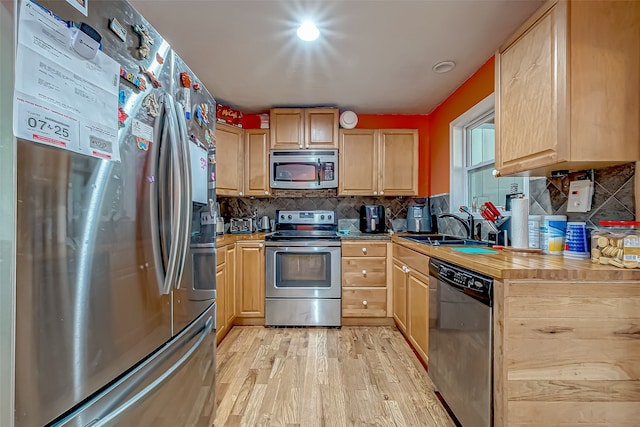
x=187, y=207
x=170, y=137
x=110, y=418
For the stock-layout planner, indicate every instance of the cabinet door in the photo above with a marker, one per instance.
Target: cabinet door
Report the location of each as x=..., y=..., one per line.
x=287, y=128
x=250, y=276
x=229, y=160
x=399, y=280
x=221, y=324
x=529, y=93
x=398, y=160
x=358, y=171
x=256, y=168
x=321, y=128
x=418, y=307
x=230, y=289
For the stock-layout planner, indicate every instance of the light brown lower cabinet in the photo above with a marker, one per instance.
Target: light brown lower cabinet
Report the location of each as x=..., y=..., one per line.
x=221, y=291
x=250, y=279
x=411, y=297
x=418, y=312
x=364, y=279
x=566, y=353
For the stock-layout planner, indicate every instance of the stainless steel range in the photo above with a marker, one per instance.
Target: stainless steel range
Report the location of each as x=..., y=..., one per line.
x=303, y=276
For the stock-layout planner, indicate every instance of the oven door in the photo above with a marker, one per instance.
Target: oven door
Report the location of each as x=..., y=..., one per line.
x=303, y=170
x=303, y=270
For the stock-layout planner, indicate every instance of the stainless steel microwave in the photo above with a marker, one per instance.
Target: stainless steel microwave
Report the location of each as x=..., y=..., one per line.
x=304, y=169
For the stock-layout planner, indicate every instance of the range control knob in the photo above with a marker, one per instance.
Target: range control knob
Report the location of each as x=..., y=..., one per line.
x=329, y=217
x=478, y=284
x=290, y=217
x=321, y=216
x=281, y=216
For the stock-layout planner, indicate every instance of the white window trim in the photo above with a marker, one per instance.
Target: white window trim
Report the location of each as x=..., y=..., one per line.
x=458, y=183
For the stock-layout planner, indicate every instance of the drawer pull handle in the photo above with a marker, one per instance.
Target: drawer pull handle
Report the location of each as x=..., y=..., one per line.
x=364, y=303
x=364, y=272
x=364, y=250
x=260, y=245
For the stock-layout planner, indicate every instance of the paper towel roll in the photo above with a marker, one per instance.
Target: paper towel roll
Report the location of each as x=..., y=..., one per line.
x=520, y=223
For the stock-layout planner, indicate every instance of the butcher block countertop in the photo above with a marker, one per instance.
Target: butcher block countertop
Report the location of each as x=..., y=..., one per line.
x=510, y=265
x=227, y=239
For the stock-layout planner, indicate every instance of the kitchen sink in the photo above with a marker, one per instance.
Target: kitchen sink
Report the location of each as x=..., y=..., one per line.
x=444, y=240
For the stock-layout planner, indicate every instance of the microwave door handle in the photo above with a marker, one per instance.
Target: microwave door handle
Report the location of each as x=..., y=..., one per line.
x=319, y=166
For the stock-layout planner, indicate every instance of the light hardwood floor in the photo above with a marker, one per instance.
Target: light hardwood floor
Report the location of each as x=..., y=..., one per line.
x=354, y=376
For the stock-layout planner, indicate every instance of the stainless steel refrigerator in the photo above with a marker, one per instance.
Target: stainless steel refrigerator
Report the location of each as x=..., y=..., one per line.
x=115, y=271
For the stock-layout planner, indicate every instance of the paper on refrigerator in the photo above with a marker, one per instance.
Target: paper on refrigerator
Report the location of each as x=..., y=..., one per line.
x=61, y=99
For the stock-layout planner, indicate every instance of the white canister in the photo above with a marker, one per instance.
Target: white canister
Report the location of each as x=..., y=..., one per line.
x=552, y=234
x=534, y=224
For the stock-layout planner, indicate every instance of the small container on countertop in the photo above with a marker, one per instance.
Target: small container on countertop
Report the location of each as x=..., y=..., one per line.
x=616, y=243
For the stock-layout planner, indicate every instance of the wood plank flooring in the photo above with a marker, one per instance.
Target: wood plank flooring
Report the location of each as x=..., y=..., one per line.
x=354, y=376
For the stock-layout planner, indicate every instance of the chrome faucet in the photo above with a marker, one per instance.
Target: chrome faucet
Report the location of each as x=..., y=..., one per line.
x=468, y=224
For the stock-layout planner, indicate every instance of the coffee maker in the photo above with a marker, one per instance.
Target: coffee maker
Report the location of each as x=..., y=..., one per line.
x=419, y=219
x=372, y=218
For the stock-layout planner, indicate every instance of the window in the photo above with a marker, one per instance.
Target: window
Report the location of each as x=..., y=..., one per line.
x=473, y=159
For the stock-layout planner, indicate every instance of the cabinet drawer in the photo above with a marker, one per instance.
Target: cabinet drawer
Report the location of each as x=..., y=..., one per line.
x=364, y=272
x=364, y=249
x=353, y=302
x=412, y=259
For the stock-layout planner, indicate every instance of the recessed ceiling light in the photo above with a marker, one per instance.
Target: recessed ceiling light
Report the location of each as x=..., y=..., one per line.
x=444, y=66
x=308, y=31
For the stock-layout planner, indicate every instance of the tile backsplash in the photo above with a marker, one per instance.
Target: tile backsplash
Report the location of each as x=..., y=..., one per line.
x=613, y=199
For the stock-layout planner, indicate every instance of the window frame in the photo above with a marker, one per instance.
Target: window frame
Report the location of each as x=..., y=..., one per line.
x=458, y=145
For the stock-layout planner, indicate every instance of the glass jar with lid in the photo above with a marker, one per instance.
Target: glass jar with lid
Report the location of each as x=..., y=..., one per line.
x=616, y=243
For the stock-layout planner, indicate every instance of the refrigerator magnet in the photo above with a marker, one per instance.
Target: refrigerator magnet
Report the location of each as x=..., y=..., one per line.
x=133, y=79
x=196, y=86
x=151, y=104
x=207, y=136
x=122, y=97
x=146, y=41
x=151, y=178
x=159, y=59
x=142, y=144
x=185, y=79
x=122, y=116
x=151, y=76
x=118, y=29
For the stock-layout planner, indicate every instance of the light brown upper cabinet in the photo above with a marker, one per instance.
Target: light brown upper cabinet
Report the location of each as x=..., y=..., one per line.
x=380, y=162
x=242, y=161
x=256, y=166
x=304, y=128
x=229, y=160
x=567, y=89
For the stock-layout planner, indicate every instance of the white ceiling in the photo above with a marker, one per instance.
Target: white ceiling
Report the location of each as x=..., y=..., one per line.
x=373, y=56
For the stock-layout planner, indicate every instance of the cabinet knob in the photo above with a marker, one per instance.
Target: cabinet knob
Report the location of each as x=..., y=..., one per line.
x=364, y=250
x=301, y=146
x=364, y=272
x=375, y=193
x=241, y=193
x=260, y=245
x=364, y=303
x=266, y=193
x=381, y=193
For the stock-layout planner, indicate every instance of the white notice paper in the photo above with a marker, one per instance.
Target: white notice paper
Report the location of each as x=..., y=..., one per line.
x=62, y=99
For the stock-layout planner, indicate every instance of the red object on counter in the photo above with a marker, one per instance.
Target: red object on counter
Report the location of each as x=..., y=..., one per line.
x=494, y=210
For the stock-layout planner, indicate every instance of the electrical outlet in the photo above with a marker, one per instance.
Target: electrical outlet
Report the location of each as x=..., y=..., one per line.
x=207, y=219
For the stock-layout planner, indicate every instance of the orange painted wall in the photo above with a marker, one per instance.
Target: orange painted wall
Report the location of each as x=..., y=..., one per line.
x=474, y=90
x=397, y=121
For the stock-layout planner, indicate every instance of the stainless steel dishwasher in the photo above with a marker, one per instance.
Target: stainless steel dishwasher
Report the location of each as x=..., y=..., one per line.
x=461, y=341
